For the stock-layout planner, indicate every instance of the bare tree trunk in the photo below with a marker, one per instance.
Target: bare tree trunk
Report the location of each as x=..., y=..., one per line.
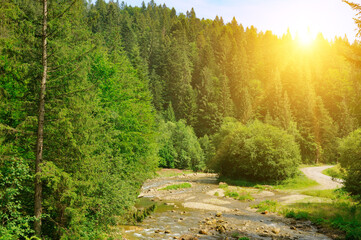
x=40, y=136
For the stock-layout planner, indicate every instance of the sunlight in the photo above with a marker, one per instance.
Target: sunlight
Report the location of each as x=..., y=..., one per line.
x=305, y=37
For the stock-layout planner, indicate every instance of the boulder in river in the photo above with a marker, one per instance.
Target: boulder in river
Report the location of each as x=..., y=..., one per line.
x=187, y=237
x=203, y=231
x=276, y=230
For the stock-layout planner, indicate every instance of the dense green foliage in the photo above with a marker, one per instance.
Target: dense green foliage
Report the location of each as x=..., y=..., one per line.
x=99, y=143
x=180, y=147
x=350, y=159
x=256, y=151
x=133, y=88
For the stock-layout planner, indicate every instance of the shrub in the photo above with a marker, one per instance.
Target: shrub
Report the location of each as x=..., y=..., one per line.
x=14, y=175
x=350, y=159
x=180, y=147
x=255, y=151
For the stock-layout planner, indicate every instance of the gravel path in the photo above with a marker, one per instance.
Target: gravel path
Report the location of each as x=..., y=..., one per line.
x=326, y=182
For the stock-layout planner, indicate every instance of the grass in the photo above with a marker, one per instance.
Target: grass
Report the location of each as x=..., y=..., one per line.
x=300, y=181
x=267, y=205
x=141, y=214
x=235, y=235
x=223, y=185
x=236, y=193
x=337, y=210
x=328, y=193
x=334, y=194
x=298, y=215
x=246, y=197
x=342, y=213
x=335, y=172
x=240, y=183
x=177, y=186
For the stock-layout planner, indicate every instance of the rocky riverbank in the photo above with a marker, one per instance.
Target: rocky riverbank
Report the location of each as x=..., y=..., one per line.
x=203, y=212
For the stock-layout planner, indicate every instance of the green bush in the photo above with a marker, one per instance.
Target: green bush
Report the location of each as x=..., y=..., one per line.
x=350, y=159
x=14, y=222
x=255, y=151
x=180, y=147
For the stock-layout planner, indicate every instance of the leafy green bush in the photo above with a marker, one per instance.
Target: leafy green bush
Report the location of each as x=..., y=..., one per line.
x=180, y=147
x=14, y=174
x=255, y=151
x=350, y=159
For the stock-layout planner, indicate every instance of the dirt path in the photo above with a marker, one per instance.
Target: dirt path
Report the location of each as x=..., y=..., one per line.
x=202, y=212
x=326, y=182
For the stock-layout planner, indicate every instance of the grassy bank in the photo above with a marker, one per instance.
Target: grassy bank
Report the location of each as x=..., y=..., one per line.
x=335, y=172
x=177, y=186
x=300, y=181
x=333, y=209
x=341, y=213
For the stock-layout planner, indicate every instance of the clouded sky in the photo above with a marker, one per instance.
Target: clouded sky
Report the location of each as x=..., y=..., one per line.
x=331, y=17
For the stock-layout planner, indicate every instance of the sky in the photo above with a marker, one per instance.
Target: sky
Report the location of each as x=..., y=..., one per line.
x=330, y=17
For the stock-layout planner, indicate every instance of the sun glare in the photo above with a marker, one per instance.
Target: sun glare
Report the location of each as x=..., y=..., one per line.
x=305, y=37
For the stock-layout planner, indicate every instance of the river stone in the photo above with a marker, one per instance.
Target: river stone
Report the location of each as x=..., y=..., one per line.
x=218, y=214
x=203, y=231
x=276, y=230
x=220, y=229
x=187, y=237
